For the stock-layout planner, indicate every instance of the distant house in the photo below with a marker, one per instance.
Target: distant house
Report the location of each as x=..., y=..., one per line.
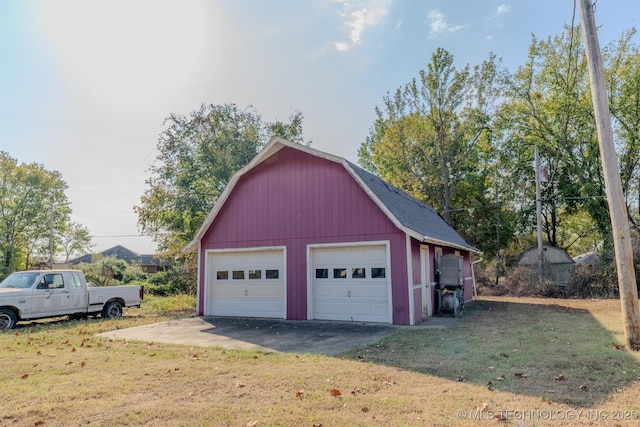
x=148, y=263
x=301, y=234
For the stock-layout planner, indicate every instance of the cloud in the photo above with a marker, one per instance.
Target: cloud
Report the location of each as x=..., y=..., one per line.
x=358, y=17
x=503, y=8
x=438, y=25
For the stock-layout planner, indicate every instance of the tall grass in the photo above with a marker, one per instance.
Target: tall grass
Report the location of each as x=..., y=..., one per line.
x=182, y=303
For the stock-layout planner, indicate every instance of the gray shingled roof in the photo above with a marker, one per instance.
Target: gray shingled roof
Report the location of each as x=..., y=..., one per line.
x=411, y=213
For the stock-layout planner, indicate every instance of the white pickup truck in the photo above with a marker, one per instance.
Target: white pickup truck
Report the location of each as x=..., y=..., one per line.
x=37, y=294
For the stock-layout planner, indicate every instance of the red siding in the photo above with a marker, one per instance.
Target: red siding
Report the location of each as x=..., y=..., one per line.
x=416, y=267
x=294, y=199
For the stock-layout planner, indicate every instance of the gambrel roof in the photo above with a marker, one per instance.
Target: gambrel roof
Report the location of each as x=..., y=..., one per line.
x=412, y=213
x=415, y=218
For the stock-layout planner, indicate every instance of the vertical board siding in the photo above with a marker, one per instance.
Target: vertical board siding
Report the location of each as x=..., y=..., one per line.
x=295, y=199
x=416, y=268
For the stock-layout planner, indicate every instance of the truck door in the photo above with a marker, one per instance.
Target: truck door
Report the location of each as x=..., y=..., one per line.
x=50, y=296
x=78, y=294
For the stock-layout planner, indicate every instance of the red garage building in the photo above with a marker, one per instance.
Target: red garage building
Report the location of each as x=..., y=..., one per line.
x=301, y=234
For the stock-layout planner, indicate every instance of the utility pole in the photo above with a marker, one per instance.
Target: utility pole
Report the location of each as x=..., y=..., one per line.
x=539, y=214
x=615, y=196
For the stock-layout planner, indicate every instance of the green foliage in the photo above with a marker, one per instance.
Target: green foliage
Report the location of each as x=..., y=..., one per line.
x=172, y=282
x=198, y=156
x=111, y=271
x=623, y=85
x=28, y=195
x=177, y=302
x=548, y=105
x=433, y=139
x=76, y=239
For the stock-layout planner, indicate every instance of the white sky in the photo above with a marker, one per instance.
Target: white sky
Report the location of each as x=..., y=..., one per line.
x=86, y=84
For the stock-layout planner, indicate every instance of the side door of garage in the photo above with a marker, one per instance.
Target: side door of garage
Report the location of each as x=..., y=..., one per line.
x=246, y=283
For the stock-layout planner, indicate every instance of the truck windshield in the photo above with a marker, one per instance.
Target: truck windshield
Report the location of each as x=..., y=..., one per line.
x=19, y=280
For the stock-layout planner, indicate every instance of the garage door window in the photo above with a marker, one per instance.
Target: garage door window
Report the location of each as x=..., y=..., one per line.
x=378, y=273
x=339, y=273
x=222, y=275
x=255, y=274
x=238, y=274
x=358, y=273
x=272, y=274
x=322, y=273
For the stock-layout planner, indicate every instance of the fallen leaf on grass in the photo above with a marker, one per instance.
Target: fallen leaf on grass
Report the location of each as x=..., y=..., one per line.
x=365, y=409
x=73, y=349
x=240, y=385
x=39, y=423
x=583, y=387
x=83, y=364
x=504, y=354
x=357, y=390
x=520, y=375
x=335, y=392
x=500, y=378
x=18, y=334
x=252, y=424
x=300, y=394
x=616, y=346
x=499, y=417
x=560, y=377
x=25, y=376
x=490, y=386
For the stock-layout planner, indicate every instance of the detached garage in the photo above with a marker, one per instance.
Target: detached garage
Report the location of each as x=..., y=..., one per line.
x=300, y=234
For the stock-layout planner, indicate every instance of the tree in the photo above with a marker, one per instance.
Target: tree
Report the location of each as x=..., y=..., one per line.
x=28, y=195
x=622, y=61
x=75, y=239
x=548, y=105
x=433, y=139
x=198, y=155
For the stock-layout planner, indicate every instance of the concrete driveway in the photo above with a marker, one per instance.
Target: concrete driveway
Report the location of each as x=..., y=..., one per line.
x=284, y=336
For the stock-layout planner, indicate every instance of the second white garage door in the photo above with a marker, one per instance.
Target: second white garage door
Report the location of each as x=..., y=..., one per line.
x=351, y=283
x=246, y=283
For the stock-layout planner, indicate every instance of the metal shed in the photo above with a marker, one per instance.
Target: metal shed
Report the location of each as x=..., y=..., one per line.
x=558, y=265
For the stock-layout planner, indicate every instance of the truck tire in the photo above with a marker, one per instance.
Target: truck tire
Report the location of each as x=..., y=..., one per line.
x=112, y=310
x=8, y=319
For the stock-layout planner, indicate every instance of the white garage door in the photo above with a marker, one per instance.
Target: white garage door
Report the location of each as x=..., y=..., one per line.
x=246, y=283
x=351, y=283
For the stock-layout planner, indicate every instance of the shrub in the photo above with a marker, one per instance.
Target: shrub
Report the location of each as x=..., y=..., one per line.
x=524, y=281
x=110, y=271
x=178, y=280
x=594, y=281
